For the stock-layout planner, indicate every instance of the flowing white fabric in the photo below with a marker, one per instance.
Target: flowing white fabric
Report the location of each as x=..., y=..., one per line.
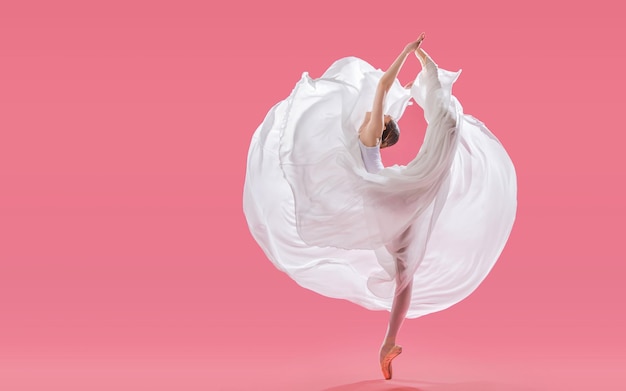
x=340, y=231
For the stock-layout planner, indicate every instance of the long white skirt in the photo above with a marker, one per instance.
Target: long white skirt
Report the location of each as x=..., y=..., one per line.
x=342, y=232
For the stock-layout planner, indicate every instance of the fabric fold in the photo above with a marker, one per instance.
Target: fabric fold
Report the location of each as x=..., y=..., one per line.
x=334, y=228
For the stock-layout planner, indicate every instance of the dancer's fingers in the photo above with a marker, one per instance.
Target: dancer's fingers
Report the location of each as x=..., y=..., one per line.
x=421, y=38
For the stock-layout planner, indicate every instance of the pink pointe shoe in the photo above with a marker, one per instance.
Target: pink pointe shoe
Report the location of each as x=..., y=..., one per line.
x=385, y=362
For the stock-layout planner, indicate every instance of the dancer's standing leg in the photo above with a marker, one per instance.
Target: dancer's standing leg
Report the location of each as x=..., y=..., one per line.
x=400, y=305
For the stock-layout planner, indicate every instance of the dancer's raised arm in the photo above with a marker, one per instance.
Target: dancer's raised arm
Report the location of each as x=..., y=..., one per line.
x=372, y=131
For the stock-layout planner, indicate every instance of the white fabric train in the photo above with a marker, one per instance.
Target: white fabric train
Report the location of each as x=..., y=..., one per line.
x=336, y=229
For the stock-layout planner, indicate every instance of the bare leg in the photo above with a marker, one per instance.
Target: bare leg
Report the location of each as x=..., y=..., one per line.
x=399, y=308
x=422, y=56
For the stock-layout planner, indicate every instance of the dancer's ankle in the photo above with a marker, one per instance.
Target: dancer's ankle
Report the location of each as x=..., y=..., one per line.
x=389, y=341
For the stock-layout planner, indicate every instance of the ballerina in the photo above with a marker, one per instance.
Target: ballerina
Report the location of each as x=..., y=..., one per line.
x=380, y=131
x=411, y=239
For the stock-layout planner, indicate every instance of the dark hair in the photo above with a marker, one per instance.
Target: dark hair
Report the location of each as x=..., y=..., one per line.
x=391, y=134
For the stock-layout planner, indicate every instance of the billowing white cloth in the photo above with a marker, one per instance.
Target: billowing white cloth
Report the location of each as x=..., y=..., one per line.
x=338, y=230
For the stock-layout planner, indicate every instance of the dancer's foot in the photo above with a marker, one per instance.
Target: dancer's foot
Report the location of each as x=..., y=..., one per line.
x=388, y=353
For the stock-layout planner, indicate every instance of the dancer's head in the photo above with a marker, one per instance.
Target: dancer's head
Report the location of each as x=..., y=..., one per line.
x=391, y=133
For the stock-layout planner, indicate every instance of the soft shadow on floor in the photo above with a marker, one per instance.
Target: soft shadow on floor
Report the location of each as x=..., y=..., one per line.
x=377, y=385
x=405, y=385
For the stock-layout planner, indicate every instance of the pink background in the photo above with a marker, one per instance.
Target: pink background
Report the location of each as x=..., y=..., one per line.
x=125, y=258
